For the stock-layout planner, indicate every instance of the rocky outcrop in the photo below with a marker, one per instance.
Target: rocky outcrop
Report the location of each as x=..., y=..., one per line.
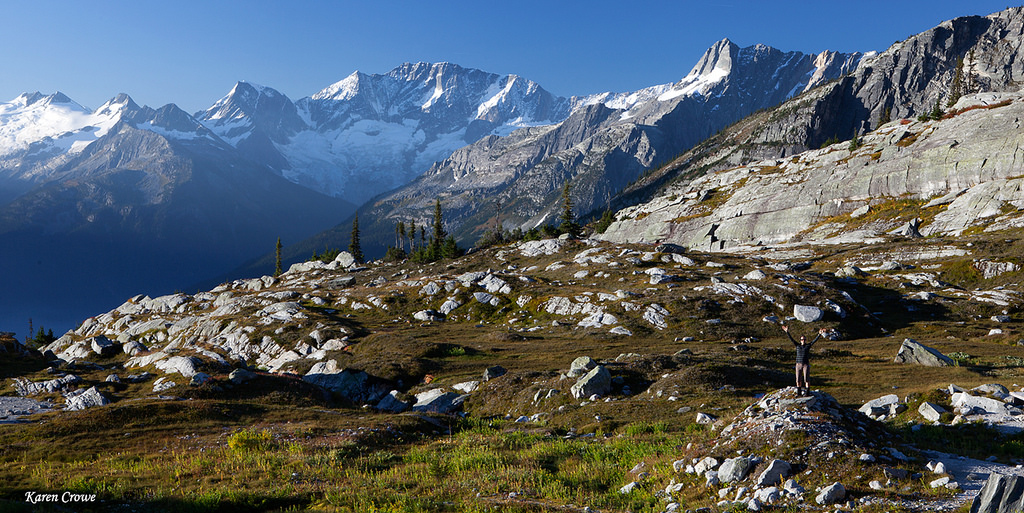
x=1001, y=494
x=738, y=209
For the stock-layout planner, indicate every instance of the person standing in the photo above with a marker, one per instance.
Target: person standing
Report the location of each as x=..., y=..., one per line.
x=803, y=360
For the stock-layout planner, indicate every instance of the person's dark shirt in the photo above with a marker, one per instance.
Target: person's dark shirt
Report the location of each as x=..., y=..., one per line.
x=803, y=351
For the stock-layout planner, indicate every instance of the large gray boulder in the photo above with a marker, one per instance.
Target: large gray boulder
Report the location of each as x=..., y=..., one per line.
x=805, y=313
x=734, y=469
x=597, y=381
x=774, y=474
x=913, y=351
x=831, y=494
x=581, y=366
x=966, y=403
x=344, y=260
x=1001, y=494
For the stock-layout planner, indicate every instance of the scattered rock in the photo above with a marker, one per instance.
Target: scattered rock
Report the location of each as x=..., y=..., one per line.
x=704, y=418
x=239, y=376
x=392, y=403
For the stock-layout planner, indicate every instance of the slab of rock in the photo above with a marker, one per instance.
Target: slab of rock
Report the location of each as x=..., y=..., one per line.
x=184, y=365
x=804, y=313
x=915, y=352
x=438, y=401
x=350, y=384
x=598, y=381
x=756, y=274
x=133, y=348
x=931, y=411
x=87, y=399
x=734, y=469
x=704, y=465
x=879, y=406
x=1001, y=494
x=966, y=403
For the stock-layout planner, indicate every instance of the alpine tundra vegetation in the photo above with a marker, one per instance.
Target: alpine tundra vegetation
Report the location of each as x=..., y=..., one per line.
x=635, y=361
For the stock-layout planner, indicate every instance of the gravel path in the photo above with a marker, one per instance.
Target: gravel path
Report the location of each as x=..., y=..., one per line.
x=13, y=408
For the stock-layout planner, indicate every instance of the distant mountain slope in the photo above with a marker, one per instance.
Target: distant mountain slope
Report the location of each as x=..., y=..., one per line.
x=126, y=200
x=606, y=142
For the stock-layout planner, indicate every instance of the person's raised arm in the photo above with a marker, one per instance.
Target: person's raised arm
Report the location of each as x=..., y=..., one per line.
x=786, y=329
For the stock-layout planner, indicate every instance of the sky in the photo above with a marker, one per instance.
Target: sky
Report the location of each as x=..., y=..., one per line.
x=192, y=52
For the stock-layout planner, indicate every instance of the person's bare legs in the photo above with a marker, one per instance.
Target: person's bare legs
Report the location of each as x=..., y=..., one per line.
x=807, y=377
x=802, y=371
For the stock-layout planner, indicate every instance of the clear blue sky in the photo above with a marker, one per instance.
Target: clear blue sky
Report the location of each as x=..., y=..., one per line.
x=191, y=52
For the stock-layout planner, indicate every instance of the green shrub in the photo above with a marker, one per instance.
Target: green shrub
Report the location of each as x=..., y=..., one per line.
x=248, y=440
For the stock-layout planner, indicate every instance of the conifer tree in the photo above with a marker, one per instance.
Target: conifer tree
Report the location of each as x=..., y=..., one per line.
x=956, y=89
x=354, y=247
x=435, y=242
x=412, y=235
x=400, y=235
x=277, y=258
x=568, y=218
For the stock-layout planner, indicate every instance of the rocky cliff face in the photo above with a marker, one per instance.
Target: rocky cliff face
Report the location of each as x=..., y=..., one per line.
x=607, y=142
x=906, y=80
x=936, y=177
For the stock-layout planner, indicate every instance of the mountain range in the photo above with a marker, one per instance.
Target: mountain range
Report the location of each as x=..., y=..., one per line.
x=92, y=202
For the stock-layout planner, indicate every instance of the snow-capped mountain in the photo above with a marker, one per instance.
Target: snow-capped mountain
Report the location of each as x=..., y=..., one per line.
x=370, y=133
x=605, y=142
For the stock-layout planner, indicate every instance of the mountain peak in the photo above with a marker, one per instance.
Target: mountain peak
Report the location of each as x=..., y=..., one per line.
x=26, y=99
x=718, y=57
